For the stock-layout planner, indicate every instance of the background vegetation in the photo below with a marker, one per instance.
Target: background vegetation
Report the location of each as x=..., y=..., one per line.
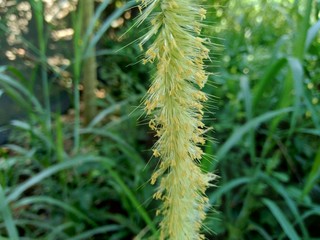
x=62, y=177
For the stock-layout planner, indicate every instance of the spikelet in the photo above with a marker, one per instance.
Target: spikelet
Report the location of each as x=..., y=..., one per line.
x=174, y=102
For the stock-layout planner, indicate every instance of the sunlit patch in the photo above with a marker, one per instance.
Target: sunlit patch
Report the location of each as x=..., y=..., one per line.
x=58, y=60
x=24, y=6
x=21, y=52
x=247, y=33
x=18, y=23
x=308, y=114
x=10, y=55
x=117, y=23
x=250, y=57
x=246, y=70
x=64, y=34
x=315, y=100
x=55, y=10
x=226, y=58
x=100, y=93
x=310, y=86
x=219, y=12
x=127, y=15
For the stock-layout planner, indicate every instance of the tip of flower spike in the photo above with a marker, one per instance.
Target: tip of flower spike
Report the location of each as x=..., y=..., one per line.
x=156, y=153
x=202, y=13
x=140, y=46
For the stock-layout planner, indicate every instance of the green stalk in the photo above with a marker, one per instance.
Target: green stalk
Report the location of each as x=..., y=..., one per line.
x=89, y=63
x=77, y=23
x=38, y=14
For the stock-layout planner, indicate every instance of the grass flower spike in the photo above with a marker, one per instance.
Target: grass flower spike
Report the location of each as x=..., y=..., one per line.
x=174, y=102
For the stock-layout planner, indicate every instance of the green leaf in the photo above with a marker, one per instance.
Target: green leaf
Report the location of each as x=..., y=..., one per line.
x=29, y=96
x=268, y=76
x=15, y=194
x=314, y=211
x=7, y=217
x=260, y=230
x=289, y=201
x=297, y=73
x=245, y=87
x=238, y=133
x=221, y=190
x=313, y=175
x=58, y=230
x=126, y=148
x=312, y=33
x=44, y=199
x=89, y=234
x=94, y=20
x=315, y=132
x=282, y=220
x=302, y=30
x=107, y=23
x=36, y=132
x=111, y=109
x=133, y=200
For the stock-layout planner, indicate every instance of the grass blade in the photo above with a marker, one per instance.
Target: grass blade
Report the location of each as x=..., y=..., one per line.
x=313, y=176
x=260, y=230
x=133, y=200
x=58, y=230
x=297, y=73
x=106, y=24
x=7, y=217
x=12, y=82
x=66, y=207
x=282, y=220
x=89, y=234
x=289, y=201
x=270, y=74
x=227, y=188
x=15, y=194
x=314, y=211
x=303, y=26
x=94, y=20
x=113, y=108
x=245, y=87
x=312, y=33
x=126, y=148
x=315, y=132
x=36, y=132
x=238, y=133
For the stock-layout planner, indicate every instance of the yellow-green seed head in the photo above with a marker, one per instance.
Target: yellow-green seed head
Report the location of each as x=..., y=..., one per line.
x=174, y=102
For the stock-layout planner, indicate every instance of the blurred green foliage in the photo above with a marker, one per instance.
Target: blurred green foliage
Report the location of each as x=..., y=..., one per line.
x=61, y=180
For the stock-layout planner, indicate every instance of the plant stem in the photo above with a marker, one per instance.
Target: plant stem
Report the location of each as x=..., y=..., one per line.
x=89, y=65
x=76, y=76
x=38, y=14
